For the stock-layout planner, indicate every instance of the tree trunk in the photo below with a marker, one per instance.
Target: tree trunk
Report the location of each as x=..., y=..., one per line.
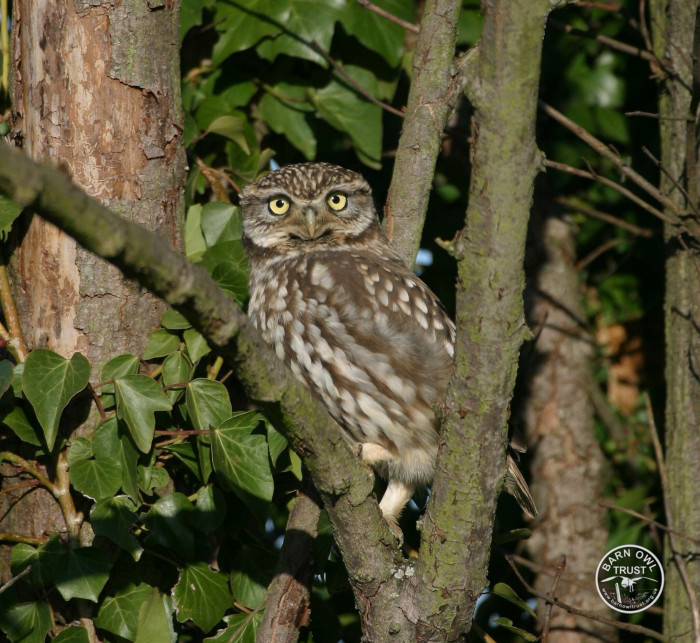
x=672, y=28
x=568, y=466
x=96, y=89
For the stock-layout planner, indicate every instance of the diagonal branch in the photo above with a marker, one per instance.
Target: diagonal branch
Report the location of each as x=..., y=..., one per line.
x=363, y=537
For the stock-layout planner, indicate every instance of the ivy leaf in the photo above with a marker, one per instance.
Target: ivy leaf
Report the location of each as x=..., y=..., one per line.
x=72, y=635
x=196, y=345
x=119, y=614
x=24, y=427
x=97, y=478
x=221, y=222
x=227, y=263
x=194, y=239
x=83, y=573
x=49, y=382
x=276, y=442
x=208, y=403
x=202, y=596
x=116, y=367
x=232, y=127
x=308, y=21
x=253, y=569
x=376, y=32
x=154, y=620
x=162, y=342
x=246, y=22
x=26, y=622
x=289, y=119
x=44, y=560
x=6, y=375
x=113, y=518
x=240, y=628
x=343, y=108
x=9, y=211
x=138, y=398
x=176, y=369
x=173, y=320
x=129, y=457
x=210, y=509
x=168, y=523
x=506, y=591
x=80, y=449
x=241, y=460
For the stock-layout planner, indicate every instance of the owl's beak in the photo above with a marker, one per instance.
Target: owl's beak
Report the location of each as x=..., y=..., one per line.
x=310, y=219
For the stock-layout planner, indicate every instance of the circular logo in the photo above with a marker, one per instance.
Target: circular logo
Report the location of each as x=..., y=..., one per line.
x=629, y=579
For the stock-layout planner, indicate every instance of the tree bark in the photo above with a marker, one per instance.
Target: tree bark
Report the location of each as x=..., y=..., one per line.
x=673, y=24
x=96, y=89
x=568, y=466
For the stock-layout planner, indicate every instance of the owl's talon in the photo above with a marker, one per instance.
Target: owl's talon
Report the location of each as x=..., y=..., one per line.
x=395, y=529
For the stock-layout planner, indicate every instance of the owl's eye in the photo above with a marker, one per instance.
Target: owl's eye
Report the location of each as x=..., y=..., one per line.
x=278, y=205
x=337, y=201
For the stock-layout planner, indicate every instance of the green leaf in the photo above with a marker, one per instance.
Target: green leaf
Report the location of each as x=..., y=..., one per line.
x=83, y=573
x=196, y=345
x=9, y=211
x=376, y=32
x=168, y=523
x=507, y=592
x=232, y=127
x=72, y=634
x=80, y=449
x=227, y=263
x=507, y=624
x=289, y=120
x=208, y=403
x=241, y=628
x=113, y=518
x=138, y=398
x=276, y=442
x=24, y=427
x=246, y=22
x=154, y=620
x=221, y=222
x=6, y=375
x=173, y=320
x=162, y=342
x=210, y=509
x=241, y=460
x=195, y=245
x=105, y=439
x=176, y=369
x=202, y=596
x=44, y=560
x=185, y=453
x=190, y=16
x=129, y=457
x=308, y=21
x=97, y=478
x=343, y=108
x=152, y=478
x=116, y=367
x=119, y=614
x=253, y=569
x=49, y=382
x=26, y=622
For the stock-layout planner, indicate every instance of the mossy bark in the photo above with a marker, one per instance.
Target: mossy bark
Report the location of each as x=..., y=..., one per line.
x=673, y=22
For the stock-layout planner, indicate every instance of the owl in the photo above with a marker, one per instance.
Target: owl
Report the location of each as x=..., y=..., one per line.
x=365, y=334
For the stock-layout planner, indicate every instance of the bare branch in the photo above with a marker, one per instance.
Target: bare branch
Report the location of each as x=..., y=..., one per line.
x=575, y=206
x=561, y=566
x=389, y=16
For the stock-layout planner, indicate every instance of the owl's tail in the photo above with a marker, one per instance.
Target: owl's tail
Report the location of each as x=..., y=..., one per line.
x=517, y=487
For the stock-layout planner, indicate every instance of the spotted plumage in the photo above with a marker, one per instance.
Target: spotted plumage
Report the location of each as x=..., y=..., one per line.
x=367, y=336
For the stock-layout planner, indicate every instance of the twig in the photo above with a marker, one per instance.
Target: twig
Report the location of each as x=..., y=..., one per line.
x=8, y=537
x=603, y=216
x=678, y=559
x=351, y=81
x=561, y=567
x=611, y=184
x=605, y=40
x=594, y=254
x=16, y=344
x=14, y=579
x=98, y=403
x=389, y=16
x=675, y=183
x=659, y=116
x=613, y=156
x=30, y=469
x=628, y=627
x=651, y=521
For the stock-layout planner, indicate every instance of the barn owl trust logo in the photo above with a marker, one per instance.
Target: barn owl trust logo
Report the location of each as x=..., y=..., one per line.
x=629, y=579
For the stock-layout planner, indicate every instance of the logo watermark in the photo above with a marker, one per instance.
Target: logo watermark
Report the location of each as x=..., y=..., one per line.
x=629, y=579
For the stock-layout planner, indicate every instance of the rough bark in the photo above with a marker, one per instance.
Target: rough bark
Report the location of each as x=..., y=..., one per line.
x=96, y=88
x=568, y=467
x=673, y=22
x=456, y=536
x=438, y=80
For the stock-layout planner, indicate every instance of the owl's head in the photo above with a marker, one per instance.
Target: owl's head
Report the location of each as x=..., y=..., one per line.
x=302, y=206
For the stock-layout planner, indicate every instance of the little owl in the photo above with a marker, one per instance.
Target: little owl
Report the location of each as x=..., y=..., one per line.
x=367, y=336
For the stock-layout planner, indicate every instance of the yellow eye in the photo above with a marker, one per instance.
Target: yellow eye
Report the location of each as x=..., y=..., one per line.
x=337, y=201
x=278, y=205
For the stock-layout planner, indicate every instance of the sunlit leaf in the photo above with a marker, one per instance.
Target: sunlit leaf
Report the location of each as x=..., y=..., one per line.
x=202, y=596
x=113, y=518
x=119, y=614
x=83, y=573
x=138, y=398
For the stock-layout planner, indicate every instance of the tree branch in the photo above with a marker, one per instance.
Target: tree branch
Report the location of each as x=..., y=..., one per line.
x=438, y=81
x=363, y=537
